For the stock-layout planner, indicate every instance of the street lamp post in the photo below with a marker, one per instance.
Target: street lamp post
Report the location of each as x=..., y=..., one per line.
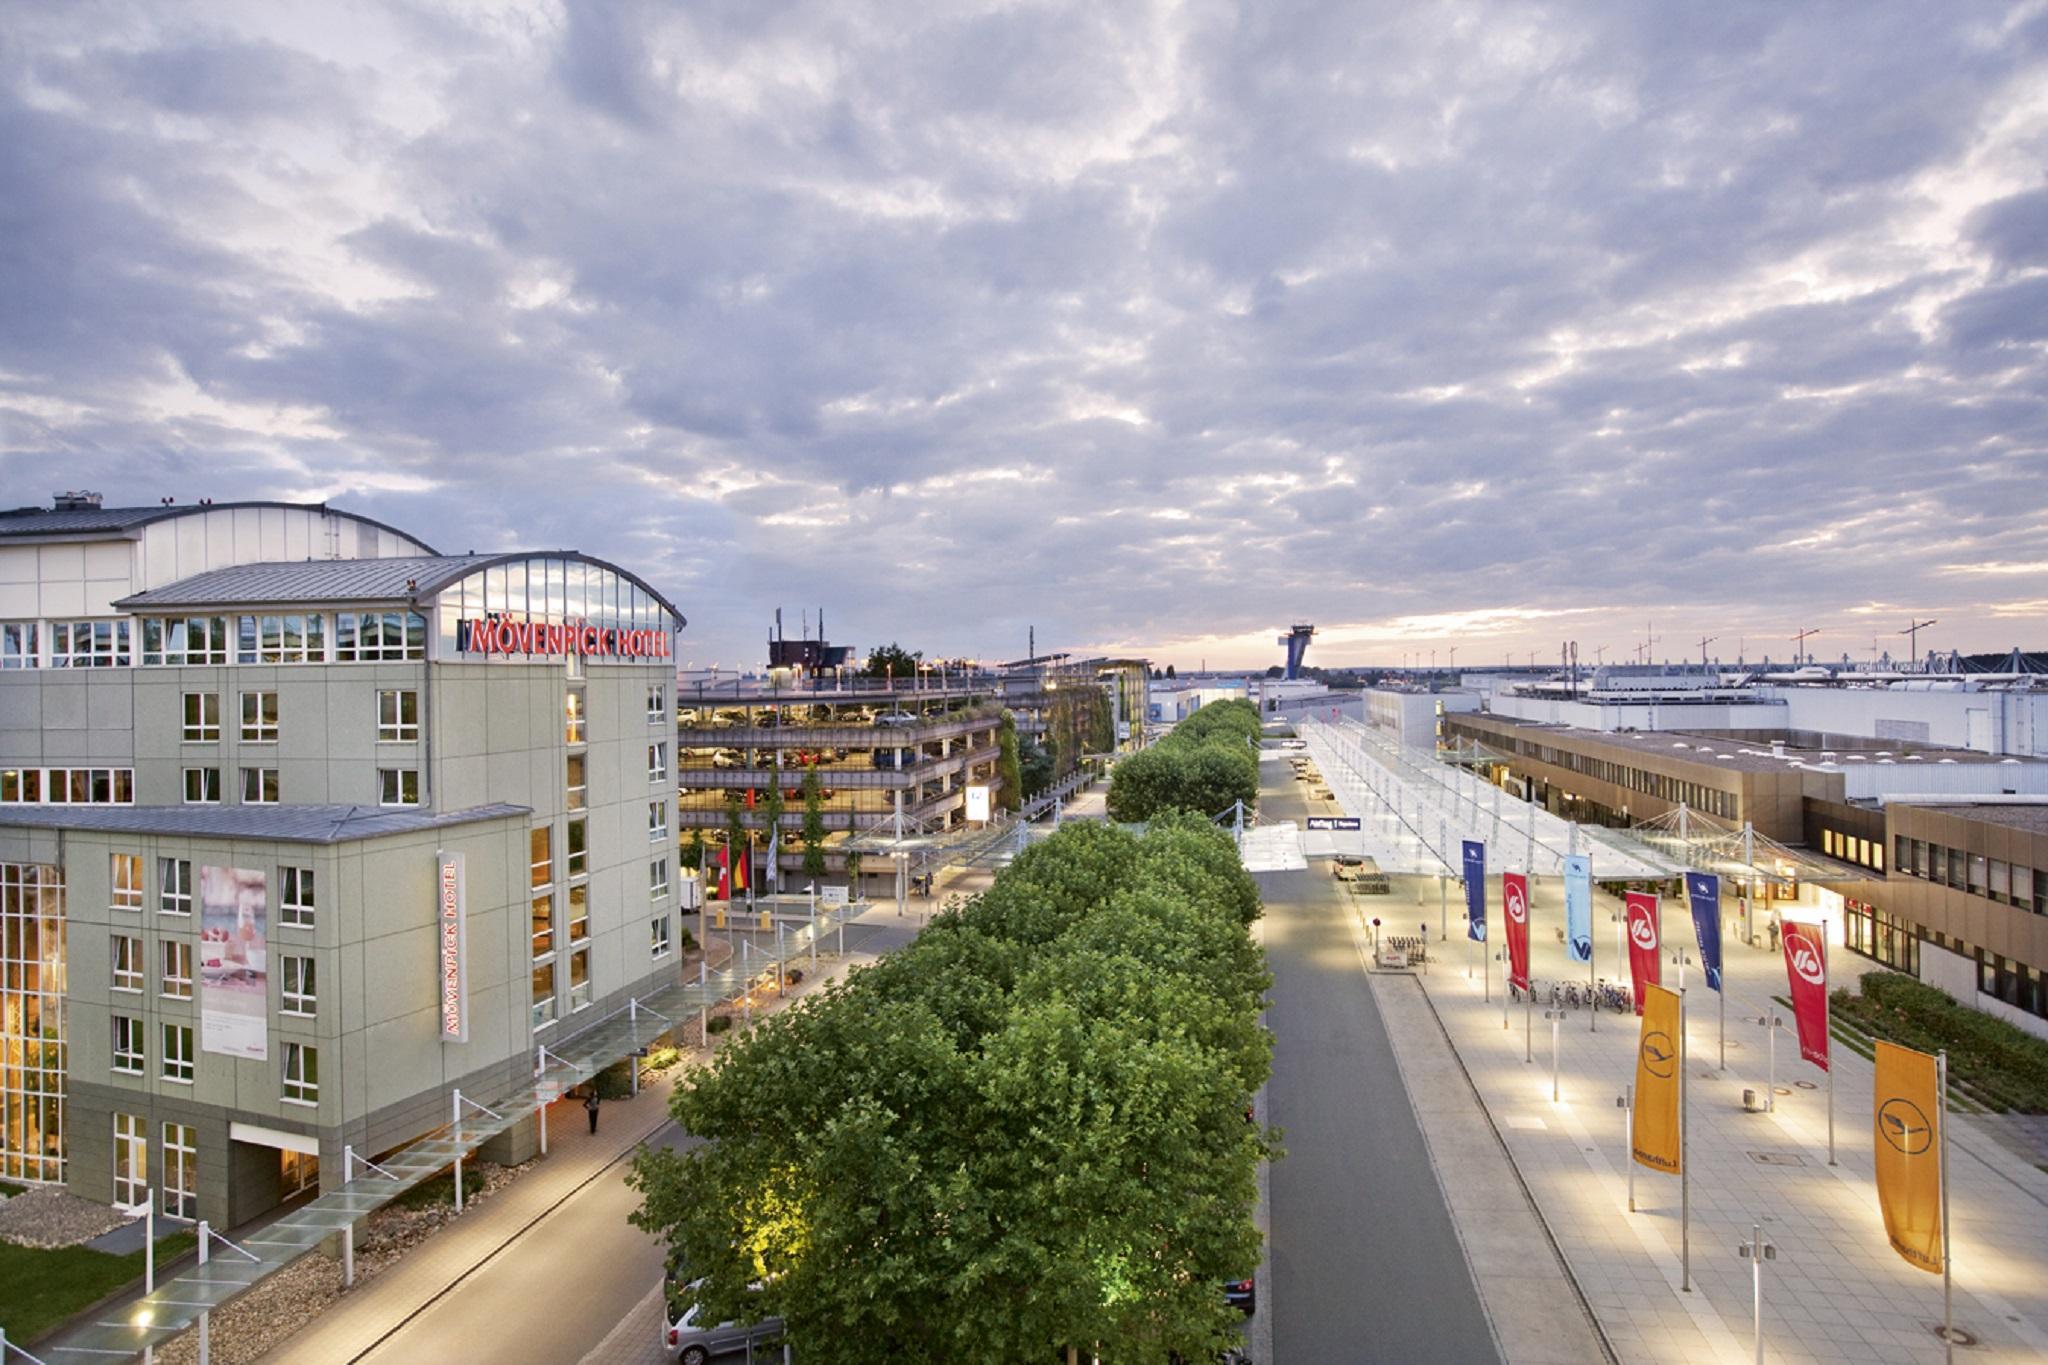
x=1756, y=1251
x=1556, y=1018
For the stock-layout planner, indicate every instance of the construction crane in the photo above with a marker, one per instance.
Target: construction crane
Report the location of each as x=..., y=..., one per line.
x=1799, y=645
x=1705, y=640
x=1912, y=634
x=1650, y=639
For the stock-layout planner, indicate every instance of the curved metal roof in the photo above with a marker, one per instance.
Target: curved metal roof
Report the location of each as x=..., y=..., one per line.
x=47, y=521
x=402, y=578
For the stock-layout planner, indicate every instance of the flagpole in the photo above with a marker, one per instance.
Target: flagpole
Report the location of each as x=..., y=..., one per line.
x=1827, y=1011
x=1593, y=1012
x=1684, y=1162
x=1948, y=1307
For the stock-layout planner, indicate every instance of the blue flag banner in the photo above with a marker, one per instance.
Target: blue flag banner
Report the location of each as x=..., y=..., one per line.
x=1578, y=907
x=1475, y=890
x=1703, y=889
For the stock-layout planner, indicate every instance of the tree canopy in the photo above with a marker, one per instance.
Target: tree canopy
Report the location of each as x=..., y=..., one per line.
x=1203, y=765
x=1022, y=1132
x=892, y=661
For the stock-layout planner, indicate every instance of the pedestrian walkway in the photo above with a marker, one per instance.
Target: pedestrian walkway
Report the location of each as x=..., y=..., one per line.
x=1837, y=1292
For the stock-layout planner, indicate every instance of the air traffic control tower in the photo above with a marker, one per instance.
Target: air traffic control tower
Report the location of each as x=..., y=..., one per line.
x=1296, y=643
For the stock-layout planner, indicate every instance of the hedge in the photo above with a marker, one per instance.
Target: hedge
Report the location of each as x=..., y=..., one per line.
x=2004, y=1064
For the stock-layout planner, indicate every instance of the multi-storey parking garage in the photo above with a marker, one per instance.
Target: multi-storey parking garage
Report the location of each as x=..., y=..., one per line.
x=878, y=752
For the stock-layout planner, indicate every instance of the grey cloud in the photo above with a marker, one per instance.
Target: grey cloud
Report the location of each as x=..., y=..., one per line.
x=1571, y=290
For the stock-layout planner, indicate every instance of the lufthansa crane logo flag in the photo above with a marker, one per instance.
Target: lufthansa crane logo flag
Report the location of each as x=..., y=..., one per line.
x=1906, y=1110
x=1655, y=1130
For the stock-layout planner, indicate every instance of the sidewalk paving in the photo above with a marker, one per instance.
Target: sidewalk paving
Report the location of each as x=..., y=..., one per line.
x=1837, y=1292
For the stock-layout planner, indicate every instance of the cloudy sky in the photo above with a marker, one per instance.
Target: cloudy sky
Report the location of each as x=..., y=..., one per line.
x=1158, y=326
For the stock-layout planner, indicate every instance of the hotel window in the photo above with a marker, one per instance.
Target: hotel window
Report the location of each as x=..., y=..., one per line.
x=572, y=717
x=1827, y=842
x=67, y=786
x=89, y=644
x=1876, y=847
x=202, y=717
x=18, y=645
x=659, y=930
x=202, y=786
x=185, y=641
x=295, y=897
x=259, y=717
x=367, y=637
x=540, y=842
x=301, y=1073
x=579, y=980
x=543, y=994
x=281, y=639
x=657, y=704
x=657, y=762
x=2040, y=891
x=127, y=958
x=398, y=786
x=175, y=957
x=177, y=1063
x=259, y=786
x=1977, y=871
x=579, y=914
x=2001, y=880
x=297, y=994
x=126, y=878
x=181, y=1171
x=398, y=715
x=128, y=1049
x=657, y=820
x=578, y=786
x=131, y=1161
x=543, y=922
x=579, y=848
x=174, y=886
x=657, y=879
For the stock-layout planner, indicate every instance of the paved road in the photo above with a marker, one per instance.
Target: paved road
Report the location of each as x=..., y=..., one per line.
x=1364, y=1263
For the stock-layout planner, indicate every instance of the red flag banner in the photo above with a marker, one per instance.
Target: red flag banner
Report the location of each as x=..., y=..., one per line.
x=1806, y=969
x=1645, y=943
x=1514, y=895
x=724, y=891
x=743, y=867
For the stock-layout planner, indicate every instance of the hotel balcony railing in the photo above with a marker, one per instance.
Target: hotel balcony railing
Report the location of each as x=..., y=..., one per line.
x=868, y=779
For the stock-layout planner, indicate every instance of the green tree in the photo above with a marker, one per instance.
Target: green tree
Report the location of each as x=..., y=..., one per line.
x=692, y=855
x=1034, y=762
x=1169, y=670
x=1022, y=1132
x=892, y=661
x=853, y=861
x=1205, y=764
x=813, y=833
x=1011, y=795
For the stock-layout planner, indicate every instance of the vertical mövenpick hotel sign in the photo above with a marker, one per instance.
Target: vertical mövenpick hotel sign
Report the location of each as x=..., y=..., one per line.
x=451, y=949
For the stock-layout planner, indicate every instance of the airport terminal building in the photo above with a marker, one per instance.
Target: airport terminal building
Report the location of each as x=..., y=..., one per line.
x=303, y=825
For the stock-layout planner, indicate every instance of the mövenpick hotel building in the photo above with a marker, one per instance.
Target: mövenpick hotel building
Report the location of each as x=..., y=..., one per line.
x=303, y=825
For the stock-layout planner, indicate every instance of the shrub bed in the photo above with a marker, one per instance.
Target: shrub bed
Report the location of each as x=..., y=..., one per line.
x=2003, y=1064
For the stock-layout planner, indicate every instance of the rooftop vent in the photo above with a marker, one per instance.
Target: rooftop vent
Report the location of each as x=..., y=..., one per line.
x=80, y=501
x=1777, y=748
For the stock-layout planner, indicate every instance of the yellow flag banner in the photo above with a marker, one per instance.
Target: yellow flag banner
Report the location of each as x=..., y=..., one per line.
x=1907, y=1111
x=1655, y=1126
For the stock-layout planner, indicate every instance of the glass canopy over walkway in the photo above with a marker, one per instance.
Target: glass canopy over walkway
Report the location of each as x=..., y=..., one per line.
x=1415, y=812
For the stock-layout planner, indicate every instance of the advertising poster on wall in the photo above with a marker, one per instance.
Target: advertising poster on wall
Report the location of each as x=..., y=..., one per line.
x=234, y=962
x=978, y=804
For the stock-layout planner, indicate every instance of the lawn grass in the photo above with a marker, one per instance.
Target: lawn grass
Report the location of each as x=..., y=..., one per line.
x=45, y=1287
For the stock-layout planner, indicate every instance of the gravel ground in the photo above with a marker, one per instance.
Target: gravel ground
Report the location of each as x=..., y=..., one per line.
x=52, y=1218
x=262, y=1319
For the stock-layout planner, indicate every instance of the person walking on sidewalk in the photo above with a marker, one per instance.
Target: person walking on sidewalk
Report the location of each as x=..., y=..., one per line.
x=590, y=1107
